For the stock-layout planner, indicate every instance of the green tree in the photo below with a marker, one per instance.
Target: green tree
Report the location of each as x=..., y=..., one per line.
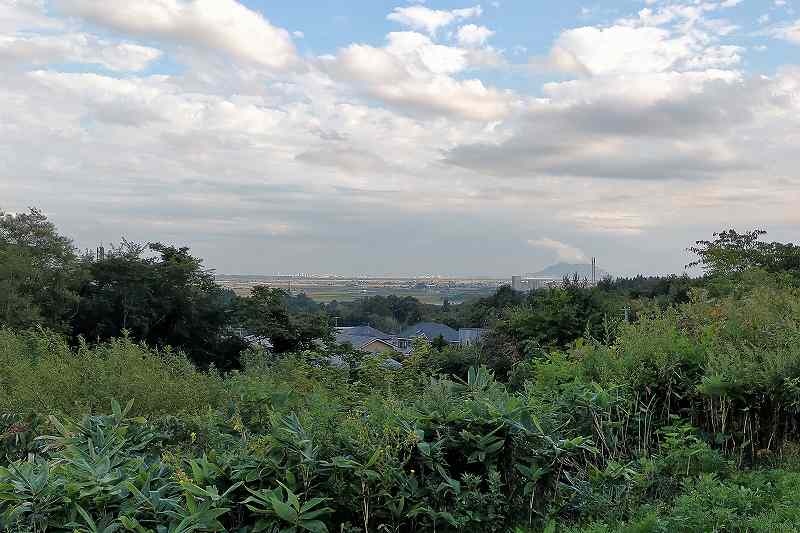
x=17, y=308
x=439, y=343
x=732, y=253
x=551, y=318
x=266, y=314
x=39, y=272
x=387, y=313
x=166, y=298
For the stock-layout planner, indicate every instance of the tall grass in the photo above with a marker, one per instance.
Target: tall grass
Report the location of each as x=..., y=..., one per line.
x=41, y=373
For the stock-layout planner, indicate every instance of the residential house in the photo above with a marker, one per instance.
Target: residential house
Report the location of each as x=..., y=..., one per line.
x=370, y=340
x=469, y=336
x=433, y=330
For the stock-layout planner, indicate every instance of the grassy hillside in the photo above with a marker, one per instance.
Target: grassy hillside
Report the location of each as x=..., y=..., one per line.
x=685, y=422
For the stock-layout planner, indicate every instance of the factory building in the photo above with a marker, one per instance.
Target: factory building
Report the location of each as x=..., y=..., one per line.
x=527, y=284
x=532, y=282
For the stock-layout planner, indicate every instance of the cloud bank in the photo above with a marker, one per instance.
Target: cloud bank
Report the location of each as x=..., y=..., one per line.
x=438, y=148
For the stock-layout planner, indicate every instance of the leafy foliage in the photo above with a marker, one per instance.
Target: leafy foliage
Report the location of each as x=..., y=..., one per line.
x=731, y=254
x=266, y=314
x=166, y=300
x=39, y=272
x=565, y=418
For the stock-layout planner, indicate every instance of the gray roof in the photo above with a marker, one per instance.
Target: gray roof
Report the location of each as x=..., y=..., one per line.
x=363, y=331
x=356, y=340
x=431, y=330
x=391, y=364
x=360, y=336
x=470, y=335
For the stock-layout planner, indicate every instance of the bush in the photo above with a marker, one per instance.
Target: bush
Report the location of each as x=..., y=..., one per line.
x=683, y=421
x=43, y=374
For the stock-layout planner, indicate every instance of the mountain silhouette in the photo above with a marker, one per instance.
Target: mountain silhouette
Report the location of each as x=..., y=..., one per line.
x=559, y=270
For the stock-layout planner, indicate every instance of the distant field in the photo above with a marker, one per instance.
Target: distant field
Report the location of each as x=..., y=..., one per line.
x=425, y=296
x=433, y=297
x=325, y=291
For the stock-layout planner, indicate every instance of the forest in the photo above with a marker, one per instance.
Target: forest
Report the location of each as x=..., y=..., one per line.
x=130, y=400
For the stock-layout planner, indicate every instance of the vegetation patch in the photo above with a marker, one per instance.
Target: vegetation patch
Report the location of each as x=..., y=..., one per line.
x=115, y=416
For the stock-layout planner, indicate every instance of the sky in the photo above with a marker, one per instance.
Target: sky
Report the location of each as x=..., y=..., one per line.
x=394, y=137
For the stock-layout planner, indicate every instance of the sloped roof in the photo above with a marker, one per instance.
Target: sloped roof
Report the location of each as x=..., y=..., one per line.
x=363, y=331
x=391, y=364
x=360, y=336
x=470, y=335
x=431, y=330
x=356, y=340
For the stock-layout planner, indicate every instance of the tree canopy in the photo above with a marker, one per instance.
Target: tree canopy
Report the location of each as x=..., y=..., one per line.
x=731, y=253
x=159, y=294
x=39, y=272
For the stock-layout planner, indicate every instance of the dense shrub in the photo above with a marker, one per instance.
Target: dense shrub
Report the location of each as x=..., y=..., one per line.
x=43, y=374
x=682, y=421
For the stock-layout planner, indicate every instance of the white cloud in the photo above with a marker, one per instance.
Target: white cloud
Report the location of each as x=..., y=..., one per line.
x=431, y=20
x=635, y=91
x=599, y=221
x=76, y=48
x=407, y=137
x=472, y=35
x=564, y=252
x=415, y=73
x=222, y=25
x=674, y=126
x=788, y=32
x=634, y=50
x=25, y=14
x=423, y=56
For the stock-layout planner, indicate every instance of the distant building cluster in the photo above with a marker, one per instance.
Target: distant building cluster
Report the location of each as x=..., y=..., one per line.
x=526, y=284
x=532, y=282
x=371, y=340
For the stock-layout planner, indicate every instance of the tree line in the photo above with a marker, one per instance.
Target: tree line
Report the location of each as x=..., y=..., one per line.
x=164, y=296
x=154, y=293
x=126, y=403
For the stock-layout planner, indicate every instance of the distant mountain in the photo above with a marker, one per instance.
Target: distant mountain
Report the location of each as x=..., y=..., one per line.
x=559, y=270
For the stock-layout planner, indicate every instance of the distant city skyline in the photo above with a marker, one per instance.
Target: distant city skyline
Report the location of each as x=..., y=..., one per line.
x=399, y=137
x=419, y=275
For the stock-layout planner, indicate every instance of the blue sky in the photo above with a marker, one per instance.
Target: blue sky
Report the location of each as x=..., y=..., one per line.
x=400, y=137
x=532, y=24
x=522, y=28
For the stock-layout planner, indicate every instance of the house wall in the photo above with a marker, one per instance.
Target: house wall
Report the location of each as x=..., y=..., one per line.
x=377, y=347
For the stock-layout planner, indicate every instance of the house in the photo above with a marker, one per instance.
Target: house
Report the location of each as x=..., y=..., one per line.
x=370, y=340
x=469, y=336
x=363, y=331
x=433, y=330
x=258, y=341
